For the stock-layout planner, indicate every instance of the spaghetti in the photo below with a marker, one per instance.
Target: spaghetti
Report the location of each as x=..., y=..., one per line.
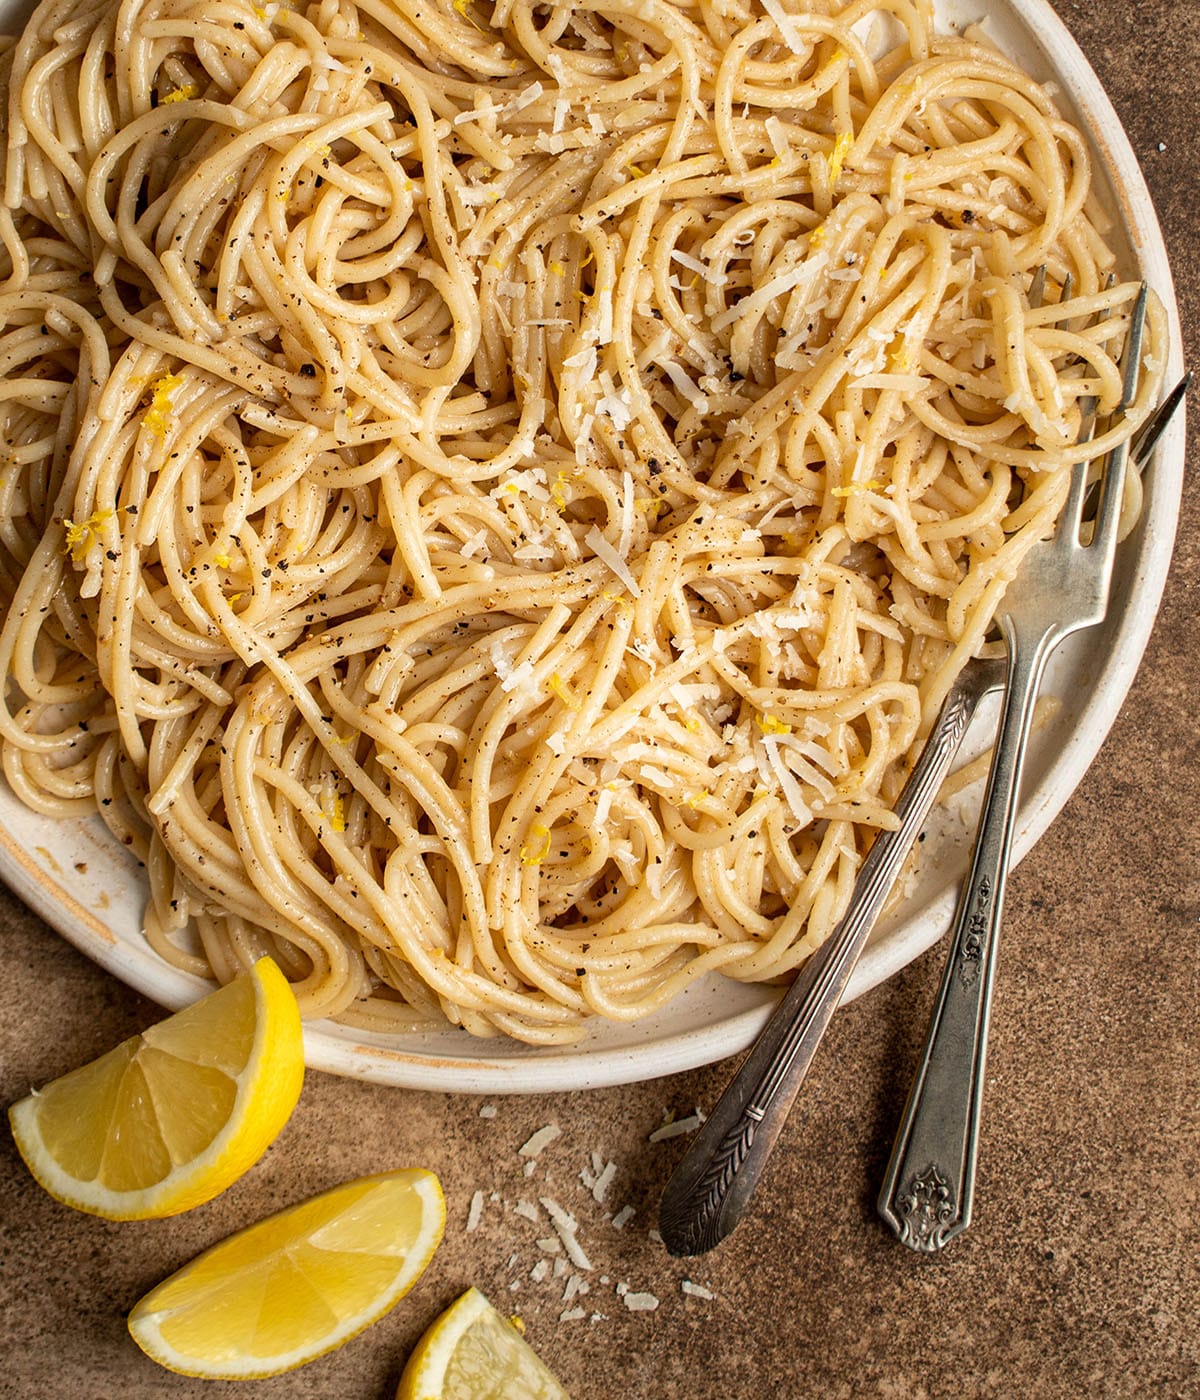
x=493, y=493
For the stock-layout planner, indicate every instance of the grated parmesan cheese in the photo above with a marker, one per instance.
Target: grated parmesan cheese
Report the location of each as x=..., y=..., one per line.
x=604, y=300
x=676, y=1126
x=792, y=793
x=603, y=1182
x=541, y=1139
x=475, y=1214
x=777, y=135
x=716, y=279
x=682, y=381
x=565, y=1226
x=605, y=552
x=518, y=677
x=640, y=1302
x=786, y=25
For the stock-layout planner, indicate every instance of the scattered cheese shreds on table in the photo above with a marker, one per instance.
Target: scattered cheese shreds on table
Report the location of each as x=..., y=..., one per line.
x=475, y=1213
x=566, y=1225
x=542, y=1138
x=673, y=1127
x=640, y=1302
x=562, y=1263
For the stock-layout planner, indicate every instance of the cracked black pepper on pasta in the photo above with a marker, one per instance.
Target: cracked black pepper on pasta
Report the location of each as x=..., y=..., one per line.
x=491, y=494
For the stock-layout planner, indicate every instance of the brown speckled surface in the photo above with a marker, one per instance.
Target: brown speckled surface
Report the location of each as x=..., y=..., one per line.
x=1081, y=1275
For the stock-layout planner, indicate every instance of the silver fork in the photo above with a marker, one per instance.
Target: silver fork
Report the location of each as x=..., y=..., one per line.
x=1063, y=586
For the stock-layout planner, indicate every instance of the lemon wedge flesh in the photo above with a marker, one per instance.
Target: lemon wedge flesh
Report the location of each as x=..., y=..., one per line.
x=297, y=1284
x=473, y=1353
x=173, y=1116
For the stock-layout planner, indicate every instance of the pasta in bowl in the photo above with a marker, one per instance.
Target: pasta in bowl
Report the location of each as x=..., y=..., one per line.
x=498, y=492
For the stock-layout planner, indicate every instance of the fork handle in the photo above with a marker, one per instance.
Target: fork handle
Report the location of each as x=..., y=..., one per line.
x=929, y=1183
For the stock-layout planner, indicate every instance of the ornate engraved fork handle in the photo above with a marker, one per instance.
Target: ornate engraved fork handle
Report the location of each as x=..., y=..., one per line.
x=928, y=1187
x=713, y=1183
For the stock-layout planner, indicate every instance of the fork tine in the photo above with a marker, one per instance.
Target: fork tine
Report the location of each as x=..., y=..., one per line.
x=1037, y=289
x=1132, y=353
x=1064, y=297
x=1087, y=423
x=1081, y=491
x=1112, y=491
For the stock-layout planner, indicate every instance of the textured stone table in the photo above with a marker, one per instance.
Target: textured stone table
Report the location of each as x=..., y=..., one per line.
x=1081, y=1276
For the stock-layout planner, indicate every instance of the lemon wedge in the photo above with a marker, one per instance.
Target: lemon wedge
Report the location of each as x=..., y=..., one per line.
x=473, y=1353
x=173, y=1116
x=297, y=1284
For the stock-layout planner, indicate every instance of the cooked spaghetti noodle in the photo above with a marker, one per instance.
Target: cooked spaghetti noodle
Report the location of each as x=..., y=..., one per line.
x=493, y=493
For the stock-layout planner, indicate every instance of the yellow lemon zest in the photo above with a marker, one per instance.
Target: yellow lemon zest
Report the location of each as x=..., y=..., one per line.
x=899, y=358
x=769, y=724
x=80, y=537
x=837, y=157
x=557, y=268
x=557, y=686
x=460, y=8
x=535, y=854
x=158, y=416
x=181, y=94
x=817, y=236
x=856, y=488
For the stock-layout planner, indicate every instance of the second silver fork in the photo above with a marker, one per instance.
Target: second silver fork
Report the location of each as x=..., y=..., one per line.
x=1063, y=586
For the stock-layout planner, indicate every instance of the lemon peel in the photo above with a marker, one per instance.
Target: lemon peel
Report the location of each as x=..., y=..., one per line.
x=81, y=536
x=157, y=417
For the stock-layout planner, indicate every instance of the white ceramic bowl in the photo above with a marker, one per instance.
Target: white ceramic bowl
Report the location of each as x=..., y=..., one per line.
x=87, y=888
